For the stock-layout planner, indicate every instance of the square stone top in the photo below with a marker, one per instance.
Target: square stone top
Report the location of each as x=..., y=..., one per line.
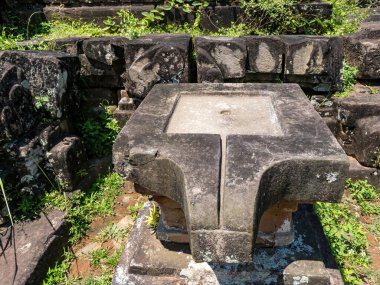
x=211, y=147
x=224, y=114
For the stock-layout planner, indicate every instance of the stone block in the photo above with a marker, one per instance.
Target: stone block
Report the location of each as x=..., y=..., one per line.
x=363, y=52
x=17, y=110
x=67, y=158
x=72, y=45
x=102, y=62
x=366, y=140
x=105, y=50
x=220, y=58
x=156, y=59
x=32, y=247
x=358, y=171
x=266, y=56
x=52, y=78
x=314, y=62
x=353, y=108
x=306, y=271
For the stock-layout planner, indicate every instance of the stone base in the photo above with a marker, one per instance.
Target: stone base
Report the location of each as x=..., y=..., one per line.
x=147, y=260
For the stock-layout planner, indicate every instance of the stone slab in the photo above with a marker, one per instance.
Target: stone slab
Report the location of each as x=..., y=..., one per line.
x=30, y=248
x=52, y=77
x=146, y=260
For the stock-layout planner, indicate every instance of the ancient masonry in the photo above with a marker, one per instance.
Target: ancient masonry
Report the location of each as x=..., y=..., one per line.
x=255, y=141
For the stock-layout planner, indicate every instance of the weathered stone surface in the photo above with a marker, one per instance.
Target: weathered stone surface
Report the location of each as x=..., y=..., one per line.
x=146, y=260
x=32, y=247
x=73, y=45
x=105, y=50
x=362, y=50
x=52, y=78
x=366, y=140
x=17, y=111
x=156, y=59
x=356, y=107
x=313, y=273
x=265, y=56
x=358, y=171
x=314, y=62
x=251, y=145
x=220, y=58
x=102, y=62
x=125, y=109
x=67, y=158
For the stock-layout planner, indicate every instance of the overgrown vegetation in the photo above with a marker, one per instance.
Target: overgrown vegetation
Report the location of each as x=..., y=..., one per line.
x=346, y=235
x=263, y=17
x=349, y=80
x=81, y=209
x=100, y=132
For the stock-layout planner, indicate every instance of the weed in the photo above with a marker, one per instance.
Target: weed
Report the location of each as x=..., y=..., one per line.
x=349, y=79
x=8, y=41
x=347, y=240
x=61, y=28
x=104, y=279
x=369, y=208
x=112, y=232
x=113, y=259
x=100, y=133
x=134, y=210
x=346, y=18
x=153, y=218
x=361, y=190
x=97, y=256
x=57, y=274
x=98, y=200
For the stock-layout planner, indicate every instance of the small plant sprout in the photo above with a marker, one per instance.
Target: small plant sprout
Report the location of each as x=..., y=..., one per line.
x=153, y=218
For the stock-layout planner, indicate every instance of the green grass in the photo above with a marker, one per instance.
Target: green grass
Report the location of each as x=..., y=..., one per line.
x=349, y=80
x=264, y=17
x=99, y=133
x=81, y=209
x=346, y=234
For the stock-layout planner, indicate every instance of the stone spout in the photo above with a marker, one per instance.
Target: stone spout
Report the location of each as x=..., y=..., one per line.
x=225, y=153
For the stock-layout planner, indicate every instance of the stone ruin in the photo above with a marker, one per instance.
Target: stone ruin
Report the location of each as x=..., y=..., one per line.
x=203, y=149
x=228, y=152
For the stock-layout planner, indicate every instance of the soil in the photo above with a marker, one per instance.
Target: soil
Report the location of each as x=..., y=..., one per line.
x=82, y=267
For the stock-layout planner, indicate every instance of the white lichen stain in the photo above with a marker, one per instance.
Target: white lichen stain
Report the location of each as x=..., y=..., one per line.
x=199, y=273
x=300, y=280
x=332, y=177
